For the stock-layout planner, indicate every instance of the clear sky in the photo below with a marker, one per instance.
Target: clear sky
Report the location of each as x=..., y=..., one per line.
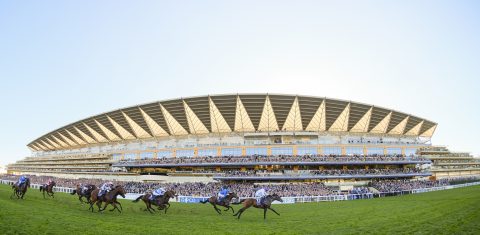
x=62, y=61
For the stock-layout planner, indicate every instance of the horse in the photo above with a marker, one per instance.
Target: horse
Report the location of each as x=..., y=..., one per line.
x=267, y=202
x=160, y=202
x=20, y=190
x=225, y=202
x=108, y=198
x=84, y=193
x=48, y=188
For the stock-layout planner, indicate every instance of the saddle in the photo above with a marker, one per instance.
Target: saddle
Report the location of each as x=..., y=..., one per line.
x=153, y=198
x=260, y=201
x=220, y=200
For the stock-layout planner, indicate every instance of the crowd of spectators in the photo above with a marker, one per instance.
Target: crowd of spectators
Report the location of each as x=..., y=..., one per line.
x=387, y=186
x=241, y=189
x=267, y=159
x=191, y=189
x=248, y=189
x=330, y=172
x=67, y=169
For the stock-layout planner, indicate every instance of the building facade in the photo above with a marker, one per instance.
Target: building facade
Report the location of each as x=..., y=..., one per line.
x=232, y=125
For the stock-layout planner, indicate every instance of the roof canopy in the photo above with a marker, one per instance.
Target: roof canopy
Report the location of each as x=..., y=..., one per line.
x=233, y=113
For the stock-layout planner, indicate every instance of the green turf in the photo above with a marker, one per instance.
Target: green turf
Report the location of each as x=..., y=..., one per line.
x=454, y=211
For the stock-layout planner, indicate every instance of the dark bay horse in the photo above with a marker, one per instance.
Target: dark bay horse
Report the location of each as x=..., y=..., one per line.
x=225, y=202
x=20, y=190
x=267, y=202
x=84, y=193
x=108, y=198
x=48, y=188
x=161, y=202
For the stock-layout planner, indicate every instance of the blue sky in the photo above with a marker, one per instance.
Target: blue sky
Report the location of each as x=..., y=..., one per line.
x=61, y=61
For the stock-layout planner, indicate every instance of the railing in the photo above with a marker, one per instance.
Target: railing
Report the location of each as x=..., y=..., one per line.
x=286, y=200
x=424, y=190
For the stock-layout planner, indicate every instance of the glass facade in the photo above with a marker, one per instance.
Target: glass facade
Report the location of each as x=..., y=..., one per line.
x=410, y=151
x=394, y=151
x=232, y=152
x=282, y=151
x=354, y=150
x=145, y=155
x=117, y=157
x=372, y=151
x=207, y=152
x=332, y=150
x=166, y=154
x=185, y=153
x=307, y=150
x=257, y=151
x=130, y=156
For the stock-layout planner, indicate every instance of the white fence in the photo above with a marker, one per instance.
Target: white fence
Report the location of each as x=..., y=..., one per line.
x=286, y=200
x=424, y=190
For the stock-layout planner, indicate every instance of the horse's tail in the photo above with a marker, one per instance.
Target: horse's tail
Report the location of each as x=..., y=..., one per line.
x=138, y=198
x=73, y=192
x=41, y=187
x=204, y=201
x=239, y=202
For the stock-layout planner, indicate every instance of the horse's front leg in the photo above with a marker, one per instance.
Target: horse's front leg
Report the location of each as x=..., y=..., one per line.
x=239, y=212
x=216, y=209
x=99, y=204
x=120, y=204
x=149, y=207
x=91, y=206
x=273, y=211
x=114, y=204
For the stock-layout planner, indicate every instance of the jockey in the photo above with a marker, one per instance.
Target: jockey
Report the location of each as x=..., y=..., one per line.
x=106, y=187
x=157, y=193
x=84, y=188
x=223, y=193
x=50, y=182
x=21, y=180
x=260, y=195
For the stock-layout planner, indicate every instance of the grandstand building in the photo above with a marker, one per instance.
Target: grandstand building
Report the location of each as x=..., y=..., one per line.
x=237, y=137
x=446, y=164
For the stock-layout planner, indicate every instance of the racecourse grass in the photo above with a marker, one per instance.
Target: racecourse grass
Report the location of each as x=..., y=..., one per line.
x=455, y=211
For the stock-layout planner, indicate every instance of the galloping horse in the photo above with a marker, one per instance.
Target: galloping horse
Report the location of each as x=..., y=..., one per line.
x=225, y=203
x=20, y=190
x=84, y=193
x=267, y=202
x=160, y=202
x=108, y=198
x=48, y=188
